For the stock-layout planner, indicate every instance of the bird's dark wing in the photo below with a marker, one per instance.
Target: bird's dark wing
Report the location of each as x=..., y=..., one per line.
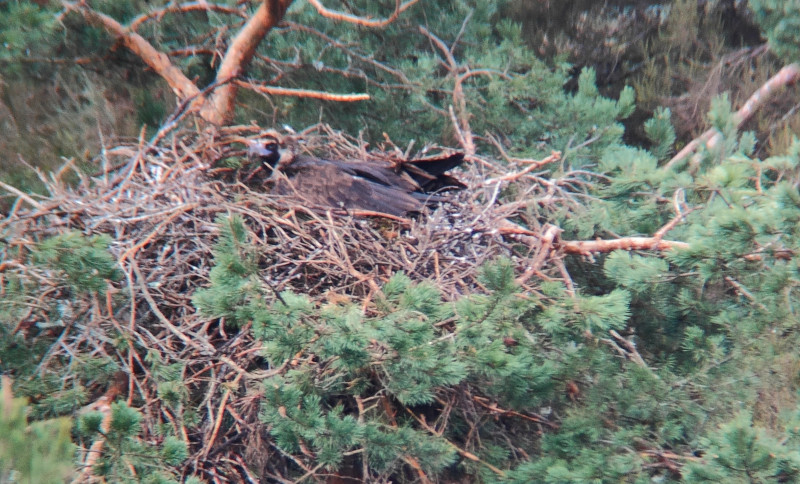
x=380, y=173
x=429, y=173
x=328, y=184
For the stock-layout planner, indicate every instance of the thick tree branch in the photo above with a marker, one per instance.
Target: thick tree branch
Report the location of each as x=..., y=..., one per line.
x=158, y=61
x=710, y=138
x=219, y=108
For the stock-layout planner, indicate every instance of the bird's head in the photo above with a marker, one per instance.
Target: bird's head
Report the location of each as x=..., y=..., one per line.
x=273, y=151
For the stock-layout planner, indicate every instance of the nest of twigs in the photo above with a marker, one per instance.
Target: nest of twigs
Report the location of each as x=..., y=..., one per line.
x=159, y=203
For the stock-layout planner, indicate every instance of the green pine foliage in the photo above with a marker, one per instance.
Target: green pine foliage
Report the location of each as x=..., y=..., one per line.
x=126, y=457
x=519, y=352
x=498, y=384
x=514, y=95
x=660, y=132
x=76, y=267
x=741, y=452
x=84, y=262
x=779, y=20
x=234, y=276
x=40, y=451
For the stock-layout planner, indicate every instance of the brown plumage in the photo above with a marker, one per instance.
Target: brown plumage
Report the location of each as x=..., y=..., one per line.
x=394, y=188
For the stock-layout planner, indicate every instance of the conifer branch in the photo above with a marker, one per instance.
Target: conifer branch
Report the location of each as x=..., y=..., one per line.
x=218, y=107
x=547, y=240
x=788, y=75
x=331, y=41
x=630, y=349
x=587, y=247
x=492, y=407
x=414, y=463
x=365, y=22
x=448, y=55
x=744, y=292
x=460, y=122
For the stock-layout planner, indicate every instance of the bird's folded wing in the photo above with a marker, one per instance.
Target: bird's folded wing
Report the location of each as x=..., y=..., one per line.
x=328, y=185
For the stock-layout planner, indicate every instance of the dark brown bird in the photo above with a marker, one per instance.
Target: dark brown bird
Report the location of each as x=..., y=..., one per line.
x=394, y=188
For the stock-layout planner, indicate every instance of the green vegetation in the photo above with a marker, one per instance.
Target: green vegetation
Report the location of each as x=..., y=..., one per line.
x=39, y=451
x=671, y=359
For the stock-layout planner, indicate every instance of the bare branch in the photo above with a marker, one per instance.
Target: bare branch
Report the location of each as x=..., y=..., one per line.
x=451, y=61
x=744, y=292
x=632, y=353
x=460, y=117
x=285, y=91
x=366, y=22
x=532, y=166
x=22, y=195
x=548, y=238
x=710, y=138
x=585, y=247
x=655, y=242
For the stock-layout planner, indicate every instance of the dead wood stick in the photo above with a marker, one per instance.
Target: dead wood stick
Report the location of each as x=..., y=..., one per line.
x=286, y=91
x=586, y=247
x=102, y=405
x=220, y=414
x=463, y=453
x=156, y=231
x=547, y=240
x=532, y=166
x=710, y=138
x=22, y=195
x=206, y=349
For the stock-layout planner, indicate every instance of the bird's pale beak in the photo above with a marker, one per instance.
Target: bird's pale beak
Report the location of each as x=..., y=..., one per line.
x=257, y=149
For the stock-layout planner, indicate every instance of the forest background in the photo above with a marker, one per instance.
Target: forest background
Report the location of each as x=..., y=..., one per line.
x=612, y=300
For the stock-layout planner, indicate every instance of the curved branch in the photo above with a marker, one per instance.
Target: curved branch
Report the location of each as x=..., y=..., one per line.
x=366, y=22
x=439, y=43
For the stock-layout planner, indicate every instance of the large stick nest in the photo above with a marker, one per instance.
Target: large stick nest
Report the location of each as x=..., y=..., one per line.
x=159, y=204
